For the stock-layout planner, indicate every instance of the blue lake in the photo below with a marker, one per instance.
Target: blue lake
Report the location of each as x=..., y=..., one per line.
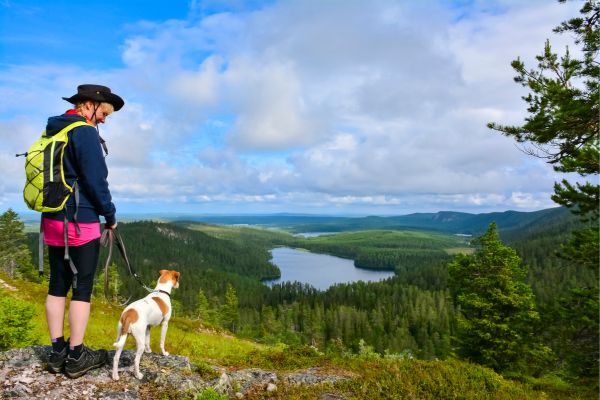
x=319, y=270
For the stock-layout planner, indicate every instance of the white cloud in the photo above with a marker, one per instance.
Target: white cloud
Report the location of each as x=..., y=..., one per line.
x=268, y=101
x=311, y=104
x=200, y=87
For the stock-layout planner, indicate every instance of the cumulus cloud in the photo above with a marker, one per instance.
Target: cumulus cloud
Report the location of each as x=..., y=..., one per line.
x=378, y=106
x=268, y=101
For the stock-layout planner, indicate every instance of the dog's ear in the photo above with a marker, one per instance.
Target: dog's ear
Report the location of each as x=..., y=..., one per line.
x=162, y=271
x=177, y=275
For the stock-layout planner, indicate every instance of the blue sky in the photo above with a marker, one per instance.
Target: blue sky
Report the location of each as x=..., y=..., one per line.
x=341, y=107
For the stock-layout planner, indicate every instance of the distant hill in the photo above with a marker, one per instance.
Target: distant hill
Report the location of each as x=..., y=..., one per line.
x=475, y=224
x=443, y=221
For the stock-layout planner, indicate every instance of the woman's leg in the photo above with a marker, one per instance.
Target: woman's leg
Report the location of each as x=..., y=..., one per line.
x=55, y=315
x=79, y=314
x=85, y=258
x=60, y=283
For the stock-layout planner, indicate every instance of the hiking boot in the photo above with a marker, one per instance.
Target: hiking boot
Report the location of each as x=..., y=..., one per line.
x=89, y=359
x=56, y=361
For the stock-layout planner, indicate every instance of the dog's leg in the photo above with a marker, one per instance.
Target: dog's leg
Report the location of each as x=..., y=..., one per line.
x=148, y=349
x=119, y=348
x=140, y=343
x=163, y=335
x=115, y=371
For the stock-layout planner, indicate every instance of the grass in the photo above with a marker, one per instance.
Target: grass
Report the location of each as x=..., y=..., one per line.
x=243, y=234
x=373, y=377
x=388, y=238
x=460, y=250
x=408, y=379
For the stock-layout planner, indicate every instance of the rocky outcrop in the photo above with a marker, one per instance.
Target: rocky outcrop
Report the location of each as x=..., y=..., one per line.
x=23, y=375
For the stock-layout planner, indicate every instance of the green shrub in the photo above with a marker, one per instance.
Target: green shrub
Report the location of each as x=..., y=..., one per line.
x=211, y=394
x=16, y=323
x=283, y=357
x=206, y=371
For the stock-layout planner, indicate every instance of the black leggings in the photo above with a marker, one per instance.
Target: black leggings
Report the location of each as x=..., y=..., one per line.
x=85, y=258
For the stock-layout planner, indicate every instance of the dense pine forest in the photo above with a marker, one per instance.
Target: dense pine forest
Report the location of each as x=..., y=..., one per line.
x=411, y=314
x=422, y=312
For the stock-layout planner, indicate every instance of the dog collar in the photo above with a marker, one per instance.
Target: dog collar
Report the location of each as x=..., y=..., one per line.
x=163, y=291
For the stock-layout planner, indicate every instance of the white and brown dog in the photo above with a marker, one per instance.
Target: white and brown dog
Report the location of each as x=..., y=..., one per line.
x=143, y=314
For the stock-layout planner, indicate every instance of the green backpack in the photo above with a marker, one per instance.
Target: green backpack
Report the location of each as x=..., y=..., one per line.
x=45, y=188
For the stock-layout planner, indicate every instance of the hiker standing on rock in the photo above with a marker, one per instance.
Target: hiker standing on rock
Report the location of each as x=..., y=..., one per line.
x=73, y=246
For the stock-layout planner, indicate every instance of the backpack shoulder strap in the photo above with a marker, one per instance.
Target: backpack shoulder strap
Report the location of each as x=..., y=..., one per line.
x=70, y=127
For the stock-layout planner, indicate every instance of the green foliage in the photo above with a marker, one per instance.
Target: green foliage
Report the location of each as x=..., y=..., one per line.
x=370, y=377
x=443, y=221
x=578, y=317
x=394, y=315
x=388, y=315
x=282, y=357
x=206, y=371
x=563, y=110
x=230, y=314
x=410, y=315
x=582, y=248
x=204, y=311
x=15, y=258
x=497, y=308
x=563, y=124
x=177, y=308
x=205, y=262
x=414, y=379
x=385, y=249
x=115, y=283
x=16, y=325
x=210, y=394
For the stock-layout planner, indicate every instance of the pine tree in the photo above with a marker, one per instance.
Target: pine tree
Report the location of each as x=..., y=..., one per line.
x=202, y=306
x=15, y=257
x=230, y=314
x=205, y=311
x=563, y=127
x=114, y=284
x=177, y=309
x=496, y=307
x=564, y=110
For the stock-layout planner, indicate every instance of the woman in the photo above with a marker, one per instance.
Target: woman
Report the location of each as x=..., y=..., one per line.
x=84, y=163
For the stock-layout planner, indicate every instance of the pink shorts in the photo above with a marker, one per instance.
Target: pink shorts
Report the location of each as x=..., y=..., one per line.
x=54, y=232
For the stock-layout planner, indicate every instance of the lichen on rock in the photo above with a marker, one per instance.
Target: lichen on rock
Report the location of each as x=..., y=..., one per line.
x=23, y=375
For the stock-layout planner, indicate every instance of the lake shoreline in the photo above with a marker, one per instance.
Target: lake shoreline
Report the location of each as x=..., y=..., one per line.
x=319, y=270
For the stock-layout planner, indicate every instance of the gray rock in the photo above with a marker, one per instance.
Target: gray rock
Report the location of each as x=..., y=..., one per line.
x=223, y=385
x=248, y=378
x=271, y=387
x=23, y=375
x=311, y=376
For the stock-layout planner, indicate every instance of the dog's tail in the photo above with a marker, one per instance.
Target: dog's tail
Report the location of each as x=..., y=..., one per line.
x=120, y=341
x=127, y=318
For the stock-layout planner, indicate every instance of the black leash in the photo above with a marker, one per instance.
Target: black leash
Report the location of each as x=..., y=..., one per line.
x=110, y=236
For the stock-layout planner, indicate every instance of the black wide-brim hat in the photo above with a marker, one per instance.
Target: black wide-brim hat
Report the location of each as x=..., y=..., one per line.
x=97, y=93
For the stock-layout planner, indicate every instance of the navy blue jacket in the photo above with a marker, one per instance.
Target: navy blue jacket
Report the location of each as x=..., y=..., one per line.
x=84, y=160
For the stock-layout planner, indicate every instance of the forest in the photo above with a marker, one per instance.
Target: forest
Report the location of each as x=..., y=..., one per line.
x=412, y=314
